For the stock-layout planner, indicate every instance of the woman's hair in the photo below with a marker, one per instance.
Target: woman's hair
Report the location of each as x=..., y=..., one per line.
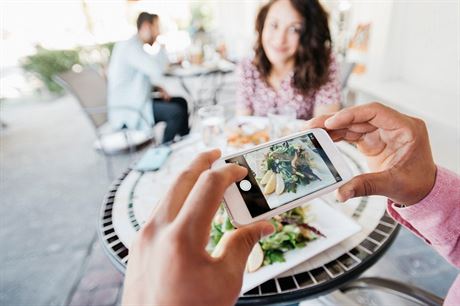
x=312, y=57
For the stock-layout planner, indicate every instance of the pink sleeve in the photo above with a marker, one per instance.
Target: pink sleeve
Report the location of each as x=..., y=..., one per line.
x=437, y=217
x=245, y=89
x=329, y=93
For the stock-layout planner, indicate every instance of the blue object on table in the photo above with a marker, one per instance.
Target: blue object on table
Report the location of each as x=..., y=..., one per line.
x=153, y=159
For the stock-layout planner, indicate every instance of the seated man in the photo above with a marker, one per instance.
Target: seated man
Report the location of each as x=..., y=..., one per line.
x=133, y=74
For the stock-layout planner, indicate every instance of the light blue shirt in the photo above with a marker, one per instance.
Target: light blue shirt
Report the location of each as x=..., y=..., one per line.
x=131, y=74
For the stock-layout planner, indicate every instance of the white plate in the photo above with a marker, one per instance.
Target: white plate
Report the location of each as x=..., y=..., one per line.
x=330, y=222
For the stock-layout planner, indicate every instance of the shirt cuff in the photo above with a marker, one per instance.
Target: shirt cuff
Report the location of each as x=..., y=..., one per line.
x=430, y=202
x=435, y=209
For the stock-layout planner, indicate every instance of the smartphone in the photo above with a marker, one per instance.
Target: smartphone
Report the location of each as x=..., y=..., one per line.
x=153, y=159
x=283, y=174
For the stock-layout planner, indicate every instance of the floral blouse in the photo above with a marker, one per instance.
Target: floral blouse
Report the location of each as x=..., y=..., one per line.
x=259, y=97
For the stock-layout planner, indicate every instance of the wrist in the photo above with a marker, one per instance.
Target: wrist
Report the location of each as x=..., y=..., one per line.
x=423, y=189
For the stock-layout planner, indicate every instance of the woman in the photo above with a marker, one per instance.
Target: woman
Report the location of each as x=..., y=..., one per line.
x=293, y=65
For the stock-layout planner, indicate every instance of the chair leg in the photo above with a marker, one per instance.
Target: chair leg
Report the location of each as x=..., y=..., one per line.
x=131, y=148
x=107, y=159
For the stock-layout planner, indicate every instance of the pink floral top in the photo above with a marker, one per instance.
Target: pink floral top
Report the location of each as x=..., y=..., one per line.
x=259, y=97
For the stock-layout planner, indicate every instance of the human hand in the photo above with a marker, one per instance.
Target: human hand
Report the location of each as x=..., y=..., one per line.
x=168, y=263
x=396, y=147
x=164, y=95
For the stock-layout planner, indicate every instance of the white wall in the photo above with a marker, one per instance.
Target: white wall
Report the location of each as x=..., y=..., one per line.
x=413, y=64
x=415, y=42
x=424, y=45
x=235, y=22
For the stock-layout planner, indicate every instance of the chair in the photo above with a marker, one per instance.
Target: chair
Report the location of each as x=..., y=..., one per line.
x=397, y=288
x=90, y=89
x=346, y=68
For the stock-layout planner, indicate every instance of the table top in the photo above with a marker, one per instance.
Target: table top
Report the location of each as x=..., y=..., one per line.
x=193, y=70
x=133, y=194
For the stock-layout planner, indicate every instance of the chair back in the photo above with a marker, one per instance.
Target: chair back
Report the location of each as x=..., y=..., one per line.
x=90, y=89
x=346, y=68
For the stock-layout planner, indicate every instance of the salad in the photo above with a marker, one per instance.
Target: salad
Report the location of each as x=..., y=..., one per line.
x=285, y=167
x=292, y=231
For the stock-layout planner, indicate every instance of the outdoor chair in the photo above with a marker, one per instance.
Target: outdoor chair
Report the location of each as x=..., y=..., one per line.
x=346, y=68
x=401, y=290
x=89, y=88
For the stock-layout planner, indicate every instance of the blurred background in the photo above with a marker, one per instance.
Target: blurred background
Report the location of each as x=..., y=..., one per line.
x=405, y=54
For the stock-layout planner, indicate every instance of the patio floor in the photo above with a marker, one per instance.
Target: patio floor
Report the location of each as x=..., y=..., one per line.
x=52, y=184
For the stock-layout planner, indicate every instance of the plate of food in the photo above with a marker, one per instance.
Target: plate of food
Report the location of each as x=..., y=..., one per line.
x=300, y=234
x=245, y=132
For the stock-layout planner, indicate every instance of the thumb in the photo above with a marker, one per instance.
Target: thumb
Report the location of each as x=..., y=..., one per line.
x=241, y=242
x=365, y=185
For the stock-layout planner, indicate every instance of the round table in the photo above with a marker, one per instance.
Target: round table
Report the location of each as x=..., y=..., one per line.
x=134, y=193
x=214, y=71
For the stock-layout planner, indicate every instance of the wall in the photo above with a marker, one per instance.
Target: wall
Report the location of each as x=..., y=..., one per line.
x=414, y=66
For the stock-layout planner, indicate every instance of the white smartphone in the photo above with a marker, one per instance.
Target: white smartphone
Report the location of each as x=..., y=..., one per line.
x=283, y=174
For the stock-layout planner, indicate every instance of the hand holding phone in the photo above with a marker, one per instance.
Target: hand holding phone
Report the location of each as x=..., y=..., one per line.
x=283, y=174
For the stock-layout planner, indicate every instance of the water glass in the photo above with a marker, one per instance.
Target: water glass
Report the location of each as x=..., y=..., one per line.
x=212, y=125
x=280, y=121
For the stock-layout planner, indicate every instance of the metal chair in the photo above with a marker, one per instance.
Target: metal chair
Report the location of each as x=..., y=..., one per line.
x=346, y=68
x=397, y=288
x=90, y=90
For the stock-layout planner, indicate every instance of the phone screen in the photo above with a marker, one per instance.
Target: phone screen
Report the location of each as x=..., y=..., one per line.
x=284, y=172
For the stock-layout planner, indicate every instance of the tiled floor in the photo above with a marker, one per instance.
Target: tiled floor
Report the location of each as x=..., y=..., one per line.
x=52, y=184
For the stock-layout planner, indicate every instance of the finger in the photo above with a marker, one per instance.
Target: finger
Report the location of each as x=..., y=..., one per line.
x=171, y=204
x=317, y=122
x=240, y=244
x=362, y=128
x=365, y=185
x=344, y=134
x=352, y=136
x=375, y=114
x=204, y=199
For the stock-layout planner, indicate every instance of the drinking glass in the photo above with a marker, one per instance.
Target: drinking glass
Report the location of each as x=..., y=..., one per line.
x=280, y=121
x=212, y=125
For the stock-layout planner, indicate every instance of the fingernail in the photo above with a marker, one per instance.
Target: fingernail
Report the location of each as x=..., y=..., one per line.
x=348, y=195
x=268, y=229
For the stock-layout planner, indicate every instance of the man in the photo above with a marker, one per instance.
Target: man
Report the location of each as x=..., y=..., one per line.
x=168, y=264
x=133, y=74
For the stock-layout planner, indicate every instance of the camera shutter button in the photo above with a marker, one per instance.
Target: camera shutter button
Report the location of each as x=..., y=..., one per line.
x=245, y=185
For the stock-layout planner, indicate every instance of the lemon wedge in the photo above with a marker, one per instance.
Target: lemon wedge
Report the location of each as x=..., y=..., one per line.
x=255, y=259
x=271, y=184
x=266, y=177
x=219, y=249
x=279, y=184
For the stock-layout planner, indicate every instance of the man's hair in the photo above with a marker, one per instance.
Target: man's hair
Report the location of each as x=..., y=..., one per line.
x=145, y=17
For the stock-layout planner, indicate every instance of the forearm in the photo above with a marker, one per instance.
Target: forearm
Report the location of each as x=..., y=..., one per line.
x=436, y=217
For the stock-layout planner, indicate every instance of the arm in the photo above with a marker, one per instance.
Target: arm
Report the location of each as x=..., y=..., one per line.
x=327, y=99
x=147, y=64
x=436, y=218
x=168, y=263
x=397, y=150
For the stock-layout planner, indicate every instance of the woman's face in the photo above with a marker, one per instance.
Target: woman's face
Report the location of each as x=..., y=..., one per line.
x=281, y=33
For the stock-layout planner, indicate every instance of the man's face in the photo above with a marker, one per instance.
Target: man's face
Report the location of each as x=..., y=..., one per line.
x=155, y=29
x=150, y=31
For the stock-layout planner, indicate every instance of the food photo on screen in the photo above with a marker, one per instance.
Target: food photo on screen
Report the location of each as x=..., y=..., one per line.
x=290, y=170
